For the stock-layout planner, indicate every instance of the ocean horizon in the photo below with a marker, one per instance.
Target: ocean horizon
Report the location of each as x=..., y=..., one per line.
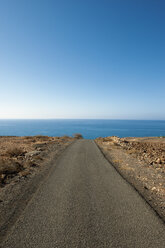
x=89, y=128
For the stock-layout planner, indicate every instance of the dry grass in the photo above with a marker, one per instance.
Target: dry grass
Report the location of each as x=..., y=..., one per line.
x=9, y=168
x=15, y=151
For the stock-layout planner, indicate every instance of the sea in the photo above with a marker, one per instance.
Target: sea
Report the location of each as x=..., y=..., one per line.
x=90, y=129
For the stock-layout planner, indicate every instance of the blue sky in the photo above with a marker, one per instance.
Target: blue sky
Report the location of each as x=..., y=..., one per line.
x=82, y=59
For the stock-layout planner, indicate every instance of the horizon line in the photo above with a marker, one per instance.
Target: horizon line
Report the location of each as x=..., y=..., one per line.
x=126, y=119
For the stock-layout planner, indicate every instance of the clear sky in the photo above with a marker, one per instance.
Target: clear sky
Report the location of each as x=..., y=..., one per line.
x=82, y=59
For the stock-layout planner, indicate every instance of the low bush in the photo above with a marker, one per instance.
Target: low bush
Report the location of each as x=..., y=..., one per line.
x=8, y=168
x=78, y=136
x=15, y=151
x=42, y=137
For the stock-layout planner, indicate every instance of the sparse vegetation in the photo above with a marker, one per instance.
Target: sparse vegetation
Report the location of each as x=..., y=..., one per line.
x=21, y=155
x=65, y=137
x=42, y=137
x=78, y=136
x=9, y=168
x=15, y=151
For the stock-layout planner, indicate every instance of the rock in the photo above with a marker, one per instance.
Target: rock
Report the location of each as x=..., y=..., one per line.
x=2, y=176
x=40, y=149
x=158, y=161
x=31, y=154
x=153, y=188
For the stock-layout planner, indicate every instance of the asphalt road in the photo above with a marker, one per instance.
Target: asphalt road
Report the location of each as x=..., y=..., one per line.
x=84, y=202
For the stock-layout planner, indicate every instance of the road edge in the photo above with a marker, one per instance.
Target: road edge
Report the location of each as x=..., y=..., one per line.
x=136, y=187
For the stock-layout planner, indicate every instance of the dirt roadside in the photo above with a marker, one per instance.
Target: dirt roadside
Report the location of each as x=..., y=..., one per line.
x=141, y=161
x=25, y=162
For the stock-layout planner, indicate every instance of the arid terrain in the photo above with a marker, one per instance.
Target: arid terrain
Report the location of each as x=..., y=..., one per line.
x=19, y=156
x=141, y=161
x=81, y=202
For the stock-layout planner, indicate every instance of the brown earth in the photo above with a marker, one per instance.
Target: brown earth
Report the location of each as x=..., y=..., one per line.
x=20, y=155
x=141, y=161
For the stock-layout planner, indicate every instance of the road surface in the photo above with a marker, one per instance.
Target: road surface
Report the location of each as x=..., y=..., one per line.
x=84, y=202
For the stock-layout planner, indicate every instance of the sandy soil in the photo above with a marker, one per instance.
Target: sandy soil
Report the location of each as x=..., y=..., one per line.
x=141, y=161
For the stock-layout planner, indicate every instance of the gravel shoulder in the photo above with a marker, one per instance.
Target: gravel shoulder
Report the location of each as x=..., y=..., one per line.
x=138, y=161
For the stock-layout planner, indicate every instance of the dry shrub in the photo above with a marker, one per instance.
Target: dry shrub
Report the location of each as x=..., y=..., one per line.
x=38, y=158
x=9, y=168
x=24, y=173
x=15, y=151
x=28, y=137
x=56, y=138
x=78, y=136
x=65, y=137
x=42, y=137
x=29, y=163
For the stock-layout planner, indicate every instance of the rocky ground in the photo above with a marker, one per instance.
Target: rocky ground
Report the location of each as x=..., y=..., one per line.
x=141, y=161
x=20, y=155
